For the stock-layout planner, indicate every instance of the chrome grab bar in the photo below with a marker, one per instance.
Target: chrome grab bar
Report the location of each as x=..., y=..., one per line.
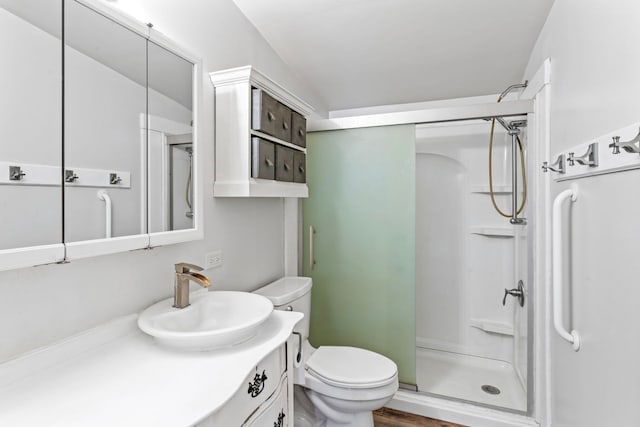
x=573, y=337
x=312, y=258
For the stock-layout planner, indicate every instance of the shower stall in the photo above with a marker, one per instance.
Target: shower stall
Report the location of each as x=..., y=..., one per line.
x=418, y=254
x=471, y=278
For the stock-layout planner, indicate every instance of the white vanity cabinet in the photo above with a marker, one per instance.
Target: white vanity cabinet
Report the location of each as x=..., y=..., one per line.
x=264, y=399
x=116, y=375
x=260, y=136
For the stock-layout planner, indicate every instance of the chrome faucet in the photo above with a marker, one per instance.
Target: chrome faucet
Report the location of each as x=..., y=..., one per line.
x=184, y=274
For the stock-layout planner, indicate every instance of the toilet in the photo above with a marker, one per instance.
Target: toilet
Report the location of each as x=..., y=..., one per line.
x=342, y=386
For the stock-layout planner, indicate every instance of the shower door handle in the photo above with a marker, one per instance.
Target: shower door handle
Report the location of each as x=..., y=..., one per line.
x=515, y=292
x=312, y=258
x=558, y=264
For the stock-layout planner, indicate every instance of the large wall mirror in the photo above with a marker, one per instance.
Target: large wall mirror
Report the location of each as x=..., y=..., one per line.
x=30, y=154
x=99, y=148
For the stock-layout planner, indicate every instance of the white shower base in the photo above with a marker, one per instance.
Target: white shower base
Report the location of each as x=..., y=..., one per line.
x=461, y=376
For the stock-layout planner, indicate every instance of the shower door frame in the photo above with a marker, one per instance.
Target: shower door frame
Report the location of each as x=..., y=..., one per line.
x=533, y=102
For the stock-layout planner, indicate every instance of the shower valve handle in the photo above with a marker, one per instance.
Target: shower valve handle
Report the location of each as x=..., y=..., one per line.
x=515, y=292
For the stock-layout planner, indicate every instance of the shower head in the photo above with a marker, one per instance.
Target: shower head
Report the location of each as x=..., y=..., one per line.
x=513, y=87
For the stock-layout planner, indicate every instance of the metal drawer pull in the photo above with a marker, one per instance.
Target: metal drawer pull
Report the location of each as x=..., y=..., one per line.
x=271, y=116
x=285, y=125
x=301, y=169
x=287, y=167
x=268, y=162
x=312, y=260
x=300, y=132
x=280, y=421
x=257, y=386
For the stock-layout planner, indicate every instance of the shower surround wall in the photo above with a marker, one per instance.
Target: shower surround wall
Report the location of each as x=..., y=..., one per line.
x=464, y=261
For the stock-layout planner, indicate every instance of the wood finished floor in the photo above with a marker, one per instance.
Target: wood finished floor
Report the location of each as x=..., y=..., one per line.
x=386, y=417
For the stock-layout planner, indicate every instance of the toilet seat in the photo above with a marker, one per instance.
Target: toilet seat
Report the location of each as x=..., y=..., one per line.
x=351, y=368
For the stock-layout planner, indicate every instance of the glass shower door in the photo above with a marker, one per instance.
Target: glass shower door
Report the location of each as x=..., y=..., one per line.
x=361, y=256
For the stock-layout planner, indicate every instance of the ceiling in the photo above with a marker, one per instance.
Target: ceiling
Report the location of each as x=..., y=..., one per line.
x=359, y=53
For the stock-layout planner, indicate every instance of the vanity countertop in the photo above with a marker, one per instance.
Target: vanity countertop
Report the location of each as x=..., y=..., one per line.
x=115, y=375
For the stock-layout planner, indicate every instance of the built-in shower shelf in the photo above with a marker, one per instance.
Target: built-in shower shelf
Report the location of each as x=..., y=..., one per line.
x=492, y=326
x=497, y=189
x=493, y=231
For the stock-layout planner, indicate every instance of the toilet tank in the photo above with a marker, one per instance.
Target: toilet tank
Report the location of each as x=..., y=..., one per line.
x=291, y=294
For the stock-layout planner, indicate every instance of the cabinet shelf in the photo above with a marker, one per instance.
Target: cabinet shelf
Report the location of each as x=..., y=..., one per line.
x=259, y=188
x=493, y=231
x=492, y=326
x=497, y=189
x=277, y=141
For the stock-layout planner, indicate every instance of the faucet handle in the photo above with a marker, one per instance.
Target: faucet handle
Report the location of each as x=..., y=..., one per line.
x=185, y=267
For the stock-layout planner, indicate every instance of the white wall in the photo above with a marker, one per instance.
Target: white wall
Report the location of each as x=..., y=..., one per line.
x=42, y=304
x=594, y=89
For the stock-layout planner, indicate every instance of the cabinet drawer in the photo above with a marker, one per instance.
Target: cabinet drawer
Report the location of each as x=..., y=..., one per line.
x=257, y=387
x=263, y=159
x=299, y=167
x=298, y=129
x=284, y=163
x=275, y=412
x=270, y=116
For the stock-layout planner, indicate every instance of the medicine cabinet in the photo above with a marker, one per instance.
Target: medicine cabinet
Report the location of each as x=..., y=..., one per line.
x=99, y=123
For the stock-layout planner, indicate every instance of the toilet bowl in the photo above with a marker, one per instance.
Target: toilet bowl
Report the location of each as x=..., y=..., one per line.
x=343, y=384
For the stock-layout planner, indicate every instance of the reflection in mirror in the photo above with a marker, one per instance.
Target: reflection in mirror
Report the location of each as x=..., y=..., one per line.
x=170, y=141
x=30, y=122
x=105, y=98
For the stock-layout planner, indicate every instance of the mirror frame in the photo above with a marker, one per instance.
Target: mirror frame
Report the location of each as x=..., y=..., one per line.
x=63, y=251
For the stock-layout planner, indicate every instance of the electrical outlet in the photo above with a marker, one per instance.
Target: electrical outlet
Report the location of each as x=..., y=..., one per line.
x=213, y=260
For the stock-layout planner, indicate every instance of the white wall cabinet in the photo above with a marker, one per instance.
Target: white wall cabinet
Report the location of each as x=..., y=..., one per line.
x=260, y=133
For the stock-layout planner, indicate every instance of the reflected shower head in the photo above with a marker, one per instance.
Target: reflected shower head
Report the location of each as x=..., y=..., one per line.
x=512, y=87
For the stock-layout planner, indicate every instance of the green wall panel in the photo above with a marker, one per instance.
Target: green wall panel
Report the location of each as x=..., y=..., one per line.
x=362, y=205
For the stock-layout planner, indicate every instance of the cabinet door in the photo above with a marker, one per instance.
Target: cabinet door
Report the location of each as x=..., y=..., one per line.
x=259, y=386
x=30, y=122
x=105, y=98
x=276, y=411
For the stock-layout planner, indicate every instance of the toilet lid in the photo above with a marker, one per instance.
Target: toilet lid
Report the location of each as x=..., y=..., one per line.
x=351, y=367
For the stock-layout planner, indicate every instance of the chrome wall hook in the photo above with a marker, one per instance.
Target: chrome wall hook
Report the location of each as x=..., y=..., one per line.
x=16, y=173
x=114, y=179
x=590, y=158
x=559, y=166
x=70, y=176
x=628, y=146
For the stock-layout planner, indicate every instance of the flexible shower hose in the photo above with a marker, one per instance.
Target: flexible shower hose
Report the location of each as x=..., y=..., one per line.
x=522, y=167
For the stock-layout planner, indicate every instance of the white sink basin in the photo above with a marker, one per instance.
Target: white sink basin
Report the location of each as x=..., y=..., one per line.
x=213, y=320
